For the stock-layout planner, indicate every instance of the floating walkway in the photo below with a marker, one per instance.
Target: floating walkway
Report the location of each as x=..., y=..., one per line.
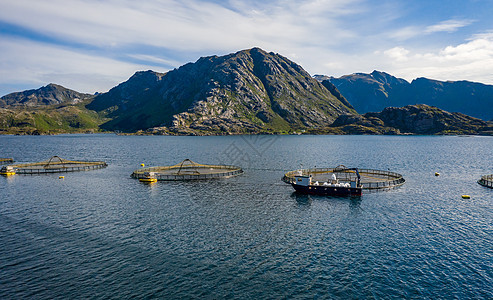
x=6, y=160
x=486, y=180
x=370, y=179
x=54, y=165
x=186, y=170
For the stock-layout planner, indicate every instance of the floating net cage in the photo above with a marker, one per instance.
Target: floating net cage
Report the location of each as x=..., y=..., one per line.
x=6, y=161
x=370, y=179
x=486, y=180
x=187, y=170
x=56, y=165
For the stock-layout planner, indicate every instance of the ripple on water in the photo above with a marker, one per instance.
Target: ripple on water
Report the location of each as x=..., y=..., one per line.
x=102, y=234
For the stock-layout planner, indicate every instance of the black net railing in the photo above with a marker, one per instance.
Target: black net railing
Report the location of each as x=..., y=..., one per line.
x=486, y=180
x=370, y=179
x=57, y=165
x=188, y=171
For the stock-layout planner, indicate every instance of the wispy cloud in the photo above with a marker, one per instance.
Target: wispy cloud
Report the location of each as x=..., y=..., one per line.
x=37, y=64
x=73, y=42
x=471, y=60
x=176, y=31
x=414, y=31
x=179, y=25
x=448, y=26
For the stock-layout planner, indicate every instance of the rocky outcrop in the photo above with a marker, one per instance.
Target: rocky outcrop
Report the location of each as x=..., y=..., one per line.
x=250, y=91
x=412, y=119
x=47, y=95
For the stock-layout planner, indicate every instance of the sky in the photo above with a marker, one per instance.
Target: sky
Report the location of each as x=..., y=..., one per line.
x=93, y=45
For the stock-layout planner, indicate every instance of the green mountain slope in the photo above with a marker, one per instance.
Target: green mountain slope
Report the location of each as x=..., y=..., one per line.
x=250, y=91
x=48, y=110
x=49, y=119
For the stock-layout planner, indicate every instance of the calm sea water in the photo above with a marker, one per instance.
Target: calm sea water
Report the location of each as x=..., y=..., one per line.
x=102, y=234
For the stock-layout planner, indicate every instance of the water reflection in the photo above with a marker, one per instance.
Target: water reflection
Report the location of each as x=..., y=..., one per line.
x=306, y=200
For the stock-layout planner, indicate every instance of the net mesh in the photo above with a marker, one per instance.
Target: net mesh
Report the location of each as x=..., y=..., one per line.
x=188, y=170
x=486, y=180
x=370, y=179
x=57, y=164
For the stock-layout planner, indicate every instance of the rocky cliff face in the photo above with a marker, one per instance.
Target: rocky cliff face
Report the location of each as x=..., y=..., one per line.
x=376, y=91
x=250, y=91
x=413, y=119
x=47, y=95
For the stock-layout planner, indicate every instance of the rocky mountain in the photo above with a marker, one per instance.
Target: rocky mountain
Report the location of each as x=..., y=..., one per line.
x=412, y=119
x=47, y=110
x=250, y=91
x=375, y=91
x=46, y=95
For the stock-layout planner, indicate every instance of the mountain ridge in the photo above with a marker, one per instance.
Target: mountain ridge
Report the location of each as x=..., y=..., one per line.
x=46, y=95
x=250, y=91
x=247, y=92
x=375, y=91
x=419, y=119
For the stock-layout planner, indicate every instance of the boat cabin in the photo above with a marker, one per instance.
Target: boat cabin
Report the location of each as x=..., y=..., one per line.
x=303, y=180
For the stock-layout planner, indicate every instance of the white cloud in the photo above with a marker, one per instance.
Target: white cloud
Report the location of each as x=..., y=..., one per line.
x=415, y=31
x=332, y=37
x=179, y=25
x=155, y=60
x=471, y=60
x=37, y=64
x=448, y=26
x=405, y=33
x=126, y=29
x=397, y=53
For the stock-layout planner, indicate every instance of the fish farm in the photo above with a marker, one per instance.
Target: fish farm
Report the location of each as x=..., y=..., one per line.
x=369, y=179
x=486, y=180
x=6, y=160
x=186, y=170
x=54, y=165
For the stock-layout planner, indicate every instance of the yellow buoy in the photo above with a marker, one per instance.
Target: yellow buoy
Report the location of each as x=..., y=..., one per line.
x=466, y=197
x=142, y=165
x=437, y=174
x=148, y=180
x=61, y=177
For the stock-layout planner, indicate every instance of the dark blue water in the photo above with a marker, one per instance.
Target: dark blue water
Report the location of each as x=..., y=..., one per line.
x=101, y=234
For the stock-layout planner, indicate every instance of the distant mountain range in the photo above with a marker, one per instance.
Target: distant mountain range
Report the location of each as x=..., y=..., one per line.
x=247, y=92
x=375, y=91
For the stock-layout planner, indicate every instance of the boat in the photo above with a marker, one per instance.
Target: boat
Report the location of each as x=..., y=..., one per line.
x=7, y=171
x=149, y=177
x=332, y=187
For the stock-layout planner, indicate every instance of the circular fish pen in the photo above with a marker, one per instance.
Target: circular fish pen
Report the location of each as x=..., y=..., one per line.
x=486, y=180
x=370, y=179
x=6, y=161
x=55, y=165
x=186, y=170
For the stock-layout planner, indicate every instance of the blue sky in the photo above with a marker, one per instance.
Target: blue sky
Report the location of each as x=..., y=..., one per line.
x=92, y=45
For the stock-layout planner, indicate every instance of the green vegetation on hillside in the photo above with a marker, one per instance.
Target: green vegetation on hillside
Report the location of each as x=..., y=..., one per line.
x=49, y=119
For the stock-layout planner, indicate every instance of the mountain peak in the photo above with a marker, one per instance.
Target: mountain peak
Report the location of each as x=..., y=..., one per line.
x=45, y=95
x=378, y=90
x=249, y=91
